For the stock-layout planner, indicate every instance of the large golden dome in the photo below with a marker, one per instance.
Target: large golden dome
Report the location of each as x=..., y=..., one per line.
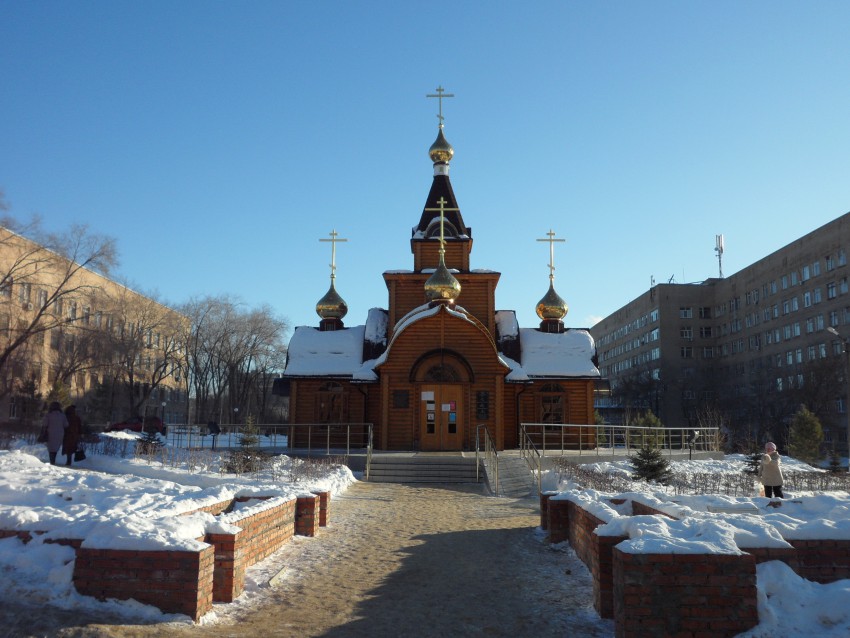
x=442, y=285
x=552, y=306
x=441, y=151
x=331, y=306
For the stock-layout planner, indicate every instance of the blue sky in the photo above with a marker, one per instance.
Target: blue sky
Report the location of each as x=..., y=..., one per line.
x=218, y=142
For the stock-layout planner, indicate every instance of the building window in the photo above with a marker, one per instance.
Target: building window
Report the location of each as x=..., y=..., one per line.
x=401, y=399
x=830, y=262
x=329, y=403
x=784, y=282
x=816, y=269
x=708, y=352
x=842, y=258
x=705, y=332
x=482, y=405
x=687, y=352
x=831, y=291
x=794, y=280
x=686, y=313
x=552, y=403
x=807, y=300
x=705, y=312
x=805, y=274
x=686, y=333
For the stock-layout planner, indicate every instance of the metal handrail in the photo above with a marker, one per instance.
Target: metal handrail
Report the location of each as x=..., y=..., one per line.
x=616, y=439
x=531, y=454
x=491, y=455
x=276, y=435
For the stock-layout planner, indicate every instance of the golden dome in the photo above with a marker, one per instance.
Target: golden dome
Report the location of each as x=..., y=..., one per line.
x=331, y=306
x=441, y=151
x=442, y=285
x=552, y=306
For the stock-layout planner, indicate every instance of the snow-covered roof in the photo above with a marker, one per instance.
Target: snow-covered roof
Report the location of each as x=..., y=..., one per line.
x=339, y=353
x=315, y=353
x=555, y=355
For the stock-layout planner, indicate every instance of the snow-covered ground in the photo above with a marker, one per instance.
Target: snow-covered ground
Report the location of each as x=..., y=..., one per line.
x=117, y=500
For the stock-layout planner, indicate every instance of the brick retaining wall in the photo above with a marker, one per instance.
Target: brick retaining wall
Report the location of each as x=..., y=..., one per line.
x=187, y=582
x=179, y=582
x=684, y=594
x=680, y=594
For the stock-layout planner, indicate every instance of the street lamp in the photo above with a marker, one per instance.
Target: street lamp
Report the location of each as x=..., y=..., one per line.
x=846, y=343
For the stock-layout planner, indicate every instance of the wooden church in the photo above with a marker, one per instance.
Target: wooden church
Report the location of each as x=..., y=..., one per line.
x=440, y=360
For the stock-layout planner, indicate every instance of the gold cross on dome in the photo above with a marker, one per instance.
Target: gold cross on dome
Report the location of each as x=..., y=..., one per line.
x=334, y=238
x=442, y=202
x=440, y=94
x=550, y=237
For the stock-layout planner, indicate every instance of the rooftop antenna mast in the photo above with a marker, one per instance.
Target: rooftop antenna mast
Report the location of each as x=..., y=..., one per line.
x=718, y=248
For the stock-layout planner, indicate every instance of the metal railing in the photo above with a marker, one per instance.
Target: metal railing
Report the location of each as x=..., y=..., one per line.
x=327, y=438
x=614, y=440
x=491, y=456
x=533, y=458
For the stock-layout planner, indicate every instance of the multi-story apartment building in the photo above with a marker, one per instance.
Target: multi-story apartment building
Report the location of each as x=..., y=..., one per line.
x=66, y=328
x=746, y=350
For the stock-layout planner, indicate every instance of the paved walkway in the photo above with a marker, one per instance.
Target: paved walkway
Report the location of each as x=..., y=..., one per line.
x=408, y=560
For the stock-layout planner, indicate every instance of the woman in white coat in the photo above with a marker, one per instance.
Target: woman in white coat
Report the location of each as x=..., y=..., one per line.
x=770, y=473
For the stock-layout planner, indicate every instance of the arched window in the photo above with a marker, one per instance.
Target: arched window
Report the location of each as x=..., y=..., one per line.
x=433, y=229
x=442, y=373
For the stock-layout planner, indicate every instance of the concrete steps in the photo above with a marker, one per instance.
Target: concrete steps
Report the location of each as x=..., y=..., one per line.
x=423, y=468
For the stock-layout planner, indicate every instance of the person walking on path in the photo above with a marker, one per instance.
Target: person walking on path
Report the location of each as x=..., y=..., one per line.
x=770, y=472
x=73, y=432
x=54, y=425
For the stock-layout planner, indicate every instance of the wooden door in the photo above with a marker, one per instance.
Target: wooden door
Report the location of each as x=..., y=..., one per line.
x=441, y=417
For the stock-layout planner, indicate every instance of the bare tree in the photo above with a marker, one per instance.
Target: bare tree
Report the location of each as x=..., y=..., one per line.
x=143, y=339
x=44, y=275
x=233, y=356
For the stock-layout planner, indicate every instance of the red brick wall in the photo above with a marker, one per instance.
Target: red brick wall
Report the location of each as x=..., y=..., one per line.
x=640, y=509
x=324, y=507
x=544, y=509
x=823, y=561
x=684, y=594
x=261, y=534
x=558, y=516
x=178, y=582
x=307, y=515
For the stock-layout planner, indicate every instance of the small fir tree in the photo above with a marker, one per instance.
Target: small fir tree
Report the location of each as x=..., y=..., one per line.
x=753, y=463
x=805, y=436
x=149, y=444
x=651, y=466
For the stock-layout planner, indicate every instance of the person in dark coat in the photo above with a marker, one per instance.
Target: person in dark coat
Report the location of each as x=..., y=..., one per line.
x=71, y=440
x=54, y=425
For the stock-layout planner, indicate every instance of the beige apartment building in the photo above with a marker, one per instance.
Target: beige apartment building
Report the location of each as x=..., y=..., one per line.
x=113, y=352
x=744, y=351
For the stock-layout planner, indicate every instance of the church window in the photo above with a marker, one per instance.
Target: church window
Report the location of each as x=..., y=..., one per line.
x=442, y=373
x=330, y=400
x=401, y=399
x=552, y=404
x=433, y=229
x=482, y=405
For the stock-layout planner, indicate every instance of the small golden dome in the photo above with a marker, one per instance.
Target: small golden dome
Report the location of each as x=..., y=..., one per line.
x=441, y=151
x=442, y=285
x=552, y=306
x=331, y=306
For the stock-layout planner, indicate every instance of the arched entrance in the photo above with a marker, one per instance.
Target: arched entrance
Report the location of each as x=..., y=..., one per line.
x=442, y=383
